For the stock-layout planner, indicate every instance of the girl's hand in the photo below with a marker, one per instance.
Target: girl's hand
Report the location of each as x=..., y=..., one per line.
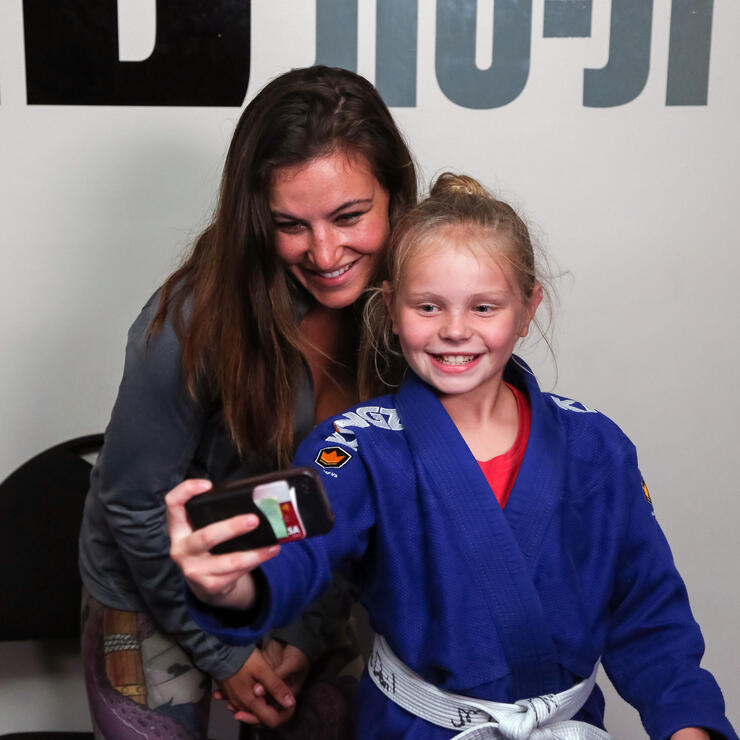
x=221, y=580
x=690, y=733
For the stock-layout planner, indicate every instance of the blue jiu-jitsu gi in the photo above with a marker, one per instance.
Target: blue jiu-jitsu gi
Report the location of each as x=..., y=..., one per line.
x=495, y=604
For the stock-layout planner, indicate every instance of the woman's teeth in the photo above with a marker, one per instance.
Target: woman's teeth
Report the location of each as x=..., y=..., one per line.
x=455, y=359
x=337, y=272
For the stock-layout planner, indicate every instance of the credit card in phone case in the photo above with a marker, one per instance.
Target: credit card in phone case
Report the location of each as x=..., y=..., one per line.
x=277, y=501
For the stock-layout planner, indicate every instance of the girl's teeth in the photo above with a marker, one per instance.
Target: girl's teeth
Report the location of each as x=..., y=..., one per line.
x=455, y=359
x=336, y=273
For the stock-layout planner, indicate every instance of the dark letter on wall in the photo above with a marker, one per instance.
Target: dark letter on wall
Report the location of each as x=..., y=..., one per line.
x=626, y=72
x=461, y=81
x=201, y=55
x=688, y=54
x=336, y=33
x=567, y=18
x=395, y=51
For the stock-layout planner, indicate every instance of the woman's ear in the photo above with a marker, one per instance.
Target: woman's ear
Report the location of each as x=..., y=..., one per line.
x=388, y=299
x=531, y=309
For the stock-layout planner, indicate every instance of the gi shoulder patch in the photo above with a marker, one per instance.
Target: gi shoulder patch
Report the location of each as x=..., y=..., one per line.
x=344, y=437
x=568, y=404
x=332, y=457
x=362, y=418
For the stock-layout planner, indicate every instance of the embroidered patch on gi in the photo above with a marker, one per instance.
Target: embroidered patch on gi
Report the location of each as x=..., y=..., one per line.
x=568, y=404
x=362, y=418
x=647, y=493
x=343, y=436
x=332, y=457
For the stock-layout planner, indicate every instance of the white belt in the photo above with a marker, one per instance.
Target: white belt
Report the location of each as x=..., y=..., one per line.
x=545, y=717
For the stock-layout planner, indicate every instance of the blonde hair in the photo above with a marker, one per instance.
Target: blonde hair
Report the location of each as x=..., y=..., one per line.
x=454, y=201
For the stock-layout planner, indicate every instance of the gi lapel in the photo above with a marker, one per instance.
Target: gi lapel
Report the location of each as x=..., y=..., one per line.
x=445, y=462
x=535, y=494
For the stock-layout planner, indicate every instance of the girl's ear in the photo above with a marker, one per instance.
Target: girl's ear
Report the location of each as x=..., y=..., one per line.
x=389, y=303
x=532, y=306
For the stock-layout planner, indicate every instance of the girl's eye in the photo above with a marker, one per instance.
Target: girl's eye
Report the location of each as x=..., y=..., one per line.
x=427, y=308
x=484, y=309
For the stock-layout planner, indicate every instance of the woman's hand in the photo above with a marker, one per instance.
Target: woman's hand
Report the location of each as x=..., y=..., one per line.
x=264, y=690
x=290, y=663
x=256, y=693
x=222, y=580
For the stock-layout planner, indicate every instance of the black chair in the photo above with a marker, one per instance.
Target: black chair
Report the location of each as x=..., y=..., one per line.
x=40, y=514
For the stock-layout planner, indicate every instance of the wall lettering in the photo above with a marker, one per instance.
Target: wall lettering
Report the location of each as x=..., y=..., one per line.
x=202, y=51
x=567, y=18
x=201, y=54
x=459, y=78
x=688, y=53
x=395, y=52
x=626, y=72
x=335, y=48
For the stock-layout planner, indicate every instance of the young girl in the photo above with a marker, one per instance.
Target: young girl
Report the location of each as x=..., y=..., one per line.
x=503, y=538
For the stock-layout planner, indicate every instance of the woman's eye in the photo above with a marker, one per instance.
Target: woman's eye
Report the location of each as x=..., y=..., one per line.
x=347, y=219
x=288, y=227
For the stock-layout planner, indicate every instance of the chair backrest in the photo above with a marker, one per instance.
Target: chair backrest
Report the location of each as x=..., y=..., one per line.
x=40, y=514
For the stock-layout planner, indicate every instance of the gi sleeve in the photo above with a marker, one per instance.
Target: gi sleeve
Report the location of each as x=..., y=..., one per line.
x=317, y=626
x=654, y=647
x=153, y=432
x=289, y=582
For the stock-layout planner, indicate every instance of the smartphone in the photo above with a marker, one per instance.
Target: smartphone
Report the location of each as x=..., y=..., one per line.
x=291, y=504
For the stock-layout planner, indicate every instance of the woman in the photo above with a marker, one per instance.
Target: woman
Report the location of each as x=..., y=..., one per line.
x=242, y=351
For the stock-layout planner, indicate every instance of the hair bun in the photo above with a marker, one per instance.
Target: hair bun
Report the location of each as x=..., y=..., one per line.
x=448, y=183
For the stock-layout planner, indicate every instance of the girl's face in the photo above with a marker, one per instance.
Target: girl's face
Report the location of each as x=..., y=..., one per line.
x=458, y=314
x=331, y=222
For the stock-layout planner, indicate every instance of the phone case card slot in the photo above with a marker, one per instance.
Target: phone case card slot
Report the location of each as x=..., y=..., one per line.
x=278, y=501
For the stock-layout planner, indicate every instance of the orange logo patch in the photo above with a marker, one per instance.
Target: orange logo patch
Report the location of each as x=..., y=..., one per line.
x=647, y=493
x=332, y=457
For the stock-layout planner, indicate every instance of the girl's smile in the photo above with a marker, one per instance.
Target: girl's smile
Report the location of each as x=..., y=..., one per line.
x=455, y=363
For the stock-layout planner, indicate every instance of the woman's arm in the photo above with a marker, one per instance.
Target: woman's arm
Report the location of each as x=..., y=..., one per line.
x=150, y=442
x=155, y=435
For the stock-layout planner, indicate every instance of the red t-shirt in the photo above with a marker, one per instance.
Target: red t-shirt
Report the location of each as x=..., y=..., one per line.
x=501, y=471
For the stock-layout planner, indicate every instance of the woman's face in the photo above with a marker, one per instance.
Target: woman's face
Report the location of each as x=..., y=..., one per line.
x=331, y=222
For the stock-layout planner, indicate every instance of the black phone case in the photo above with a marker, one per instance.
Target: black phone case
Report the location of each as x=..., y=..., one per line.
x=234, y=498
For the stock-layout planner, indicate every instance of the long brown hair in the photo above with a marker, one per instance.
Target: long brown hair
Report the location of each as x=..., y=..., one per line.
x=240, y=339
